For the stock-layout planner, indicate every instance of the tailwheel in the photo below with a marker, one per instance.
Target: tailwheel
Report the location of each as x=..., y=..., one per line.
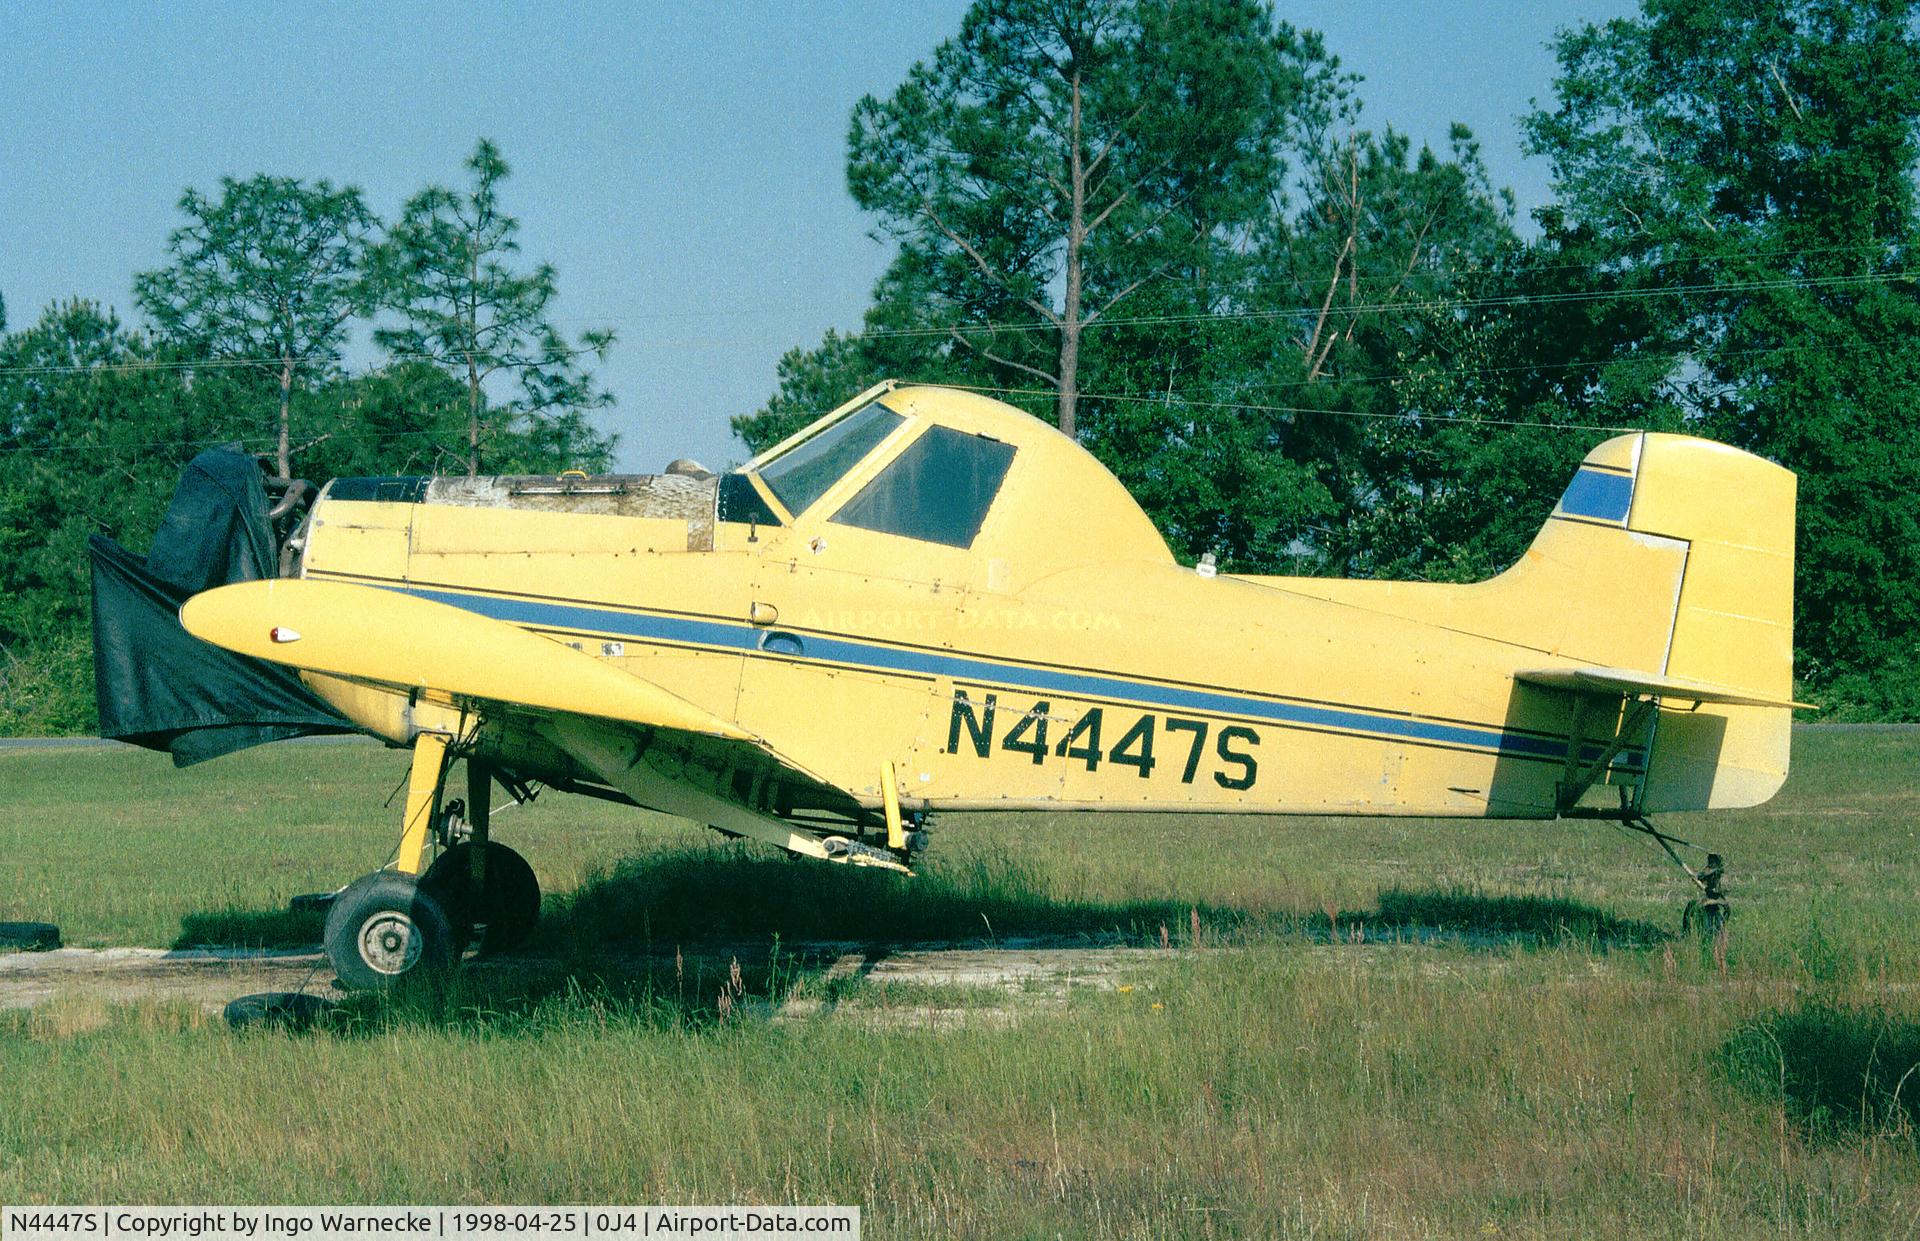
x=1707, y=913
x=505, y=898
x=385, y=927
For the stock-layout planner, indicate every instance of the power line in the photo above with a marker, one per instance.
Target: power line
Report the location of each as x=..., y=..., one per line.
x=455, y=435
x=1183, y=399
x=1429, y=305
x=249, y=363
x=1351, y=309
x=1377, y=377
x=1878, y=249
x=1388, y=280
x=1596, y=364
x=1189, y=397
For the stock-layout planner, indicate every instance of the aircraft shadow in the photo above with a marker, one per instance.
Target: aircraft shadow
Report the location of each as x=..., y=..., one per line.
x=694, y=896
x=717, y=894
x=739, y=893
x=250, y=928
x=1840, y=1071
x=1473, y=918
x=696, y=936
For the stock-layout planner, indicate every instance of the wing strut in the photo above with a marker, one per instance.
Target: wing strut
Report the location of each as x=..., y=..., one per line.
x=1641, y=717
x=424, y=782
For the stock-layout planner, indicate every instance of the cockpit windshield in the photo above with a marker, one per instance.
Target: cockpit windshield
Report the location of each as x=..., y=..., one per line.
x=937, y=491
x=803, y=473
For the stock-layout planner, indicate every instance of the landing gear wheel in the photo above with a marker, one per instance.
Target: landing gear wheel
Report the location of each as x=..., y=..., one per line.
x=385, y=927
x=508, y=903
x=1704, y=918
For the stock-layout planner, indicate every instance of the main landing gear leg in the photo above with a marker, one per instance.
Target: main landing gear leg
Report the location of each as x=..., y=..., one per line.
x=387, y=926
x=1707, y=912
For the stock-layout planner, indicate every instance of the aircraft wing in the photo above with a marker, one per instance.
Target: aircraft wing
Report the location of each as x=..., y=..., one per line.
x=383, y=637
x=651, y=744
x=1630, y=682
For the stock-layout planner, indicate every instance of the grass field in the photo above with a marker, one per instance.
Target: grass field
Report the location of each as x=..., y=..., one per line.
x=1356, y=1029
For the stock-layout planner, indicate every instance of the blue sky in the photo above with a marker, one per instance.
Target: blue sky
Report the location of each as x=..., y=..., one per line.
x=680, y=165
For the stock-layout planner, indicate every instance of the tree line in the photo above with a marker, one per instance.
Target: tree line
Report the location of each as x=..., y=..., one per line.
x=1308, y=347
x=1306, y=344
x=250, y=316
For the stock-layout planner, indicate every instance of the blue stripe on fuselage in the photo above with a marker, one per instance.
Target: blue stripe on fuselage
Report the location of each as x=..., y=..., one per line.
x=540, y=614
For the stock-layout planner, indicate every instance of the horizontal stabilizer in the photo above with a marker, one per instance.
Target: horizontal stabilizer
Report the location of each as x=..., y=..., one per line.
x=383, y=637
x=1630, y=682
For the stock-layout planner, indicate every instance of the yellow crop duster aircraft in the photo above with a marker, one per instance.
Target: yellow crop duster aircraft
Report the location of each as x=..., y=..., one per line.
x=931, y=601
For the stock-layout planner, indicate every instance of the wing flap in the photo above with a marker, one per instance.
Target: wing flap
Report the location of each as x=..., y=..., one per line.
x=383, y=637
x=1628, y=681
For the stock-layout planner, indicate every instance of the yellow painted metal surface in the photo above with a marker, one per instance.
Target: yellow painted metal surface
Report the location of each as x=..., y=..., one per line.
x=890, y=806
x=367, y=634
x=423, y=801
x=661, y=782
x=1063, y=658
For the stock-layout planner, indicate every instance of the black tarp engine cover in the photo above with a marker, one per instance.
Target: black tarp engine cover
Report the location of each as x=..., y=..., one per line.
x=158, y=685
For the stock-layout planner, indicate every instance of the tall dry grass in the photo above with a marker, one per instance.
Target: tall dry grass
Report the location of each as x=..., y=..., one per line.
x=1353, y=1030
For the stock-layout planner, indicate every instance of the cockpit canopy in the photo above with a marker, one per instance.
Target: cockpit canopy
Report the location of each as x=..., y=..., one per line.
x=950, y=468
x=938, y=489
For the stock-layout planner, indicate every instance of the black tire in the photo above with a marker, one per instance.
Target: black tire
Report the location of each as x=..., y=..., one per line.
x=285, y=1010
x=1704, y=918
x=384, y=928
x=508, y=904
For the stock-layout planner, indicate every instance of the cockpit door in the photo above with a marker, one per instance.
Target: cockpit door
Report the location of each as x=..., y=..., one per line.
x=858, y=602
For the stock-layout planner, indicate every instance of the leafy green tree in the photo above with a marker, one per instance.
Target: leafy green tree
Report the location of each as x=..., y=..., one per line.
x=411, y=417
x=266, y=276
x=405, y=418
x=92, y=435
x=1281, y=427
x=96, y=420
x=811, y=382
x=447, y=269
x=1057, y=157
x=1455, y=368
x=899, y=338
x=1270, y=436
x=1749, y=169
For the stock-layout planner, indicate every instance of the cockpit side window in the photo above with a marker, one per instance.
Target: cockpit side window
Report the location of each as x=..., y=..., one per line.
x=938, y=490
x=739, y=502
x=802, y=474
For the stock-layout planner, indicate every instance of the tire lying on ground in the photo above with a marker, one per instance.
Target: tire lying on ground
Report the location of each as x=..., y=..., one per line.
x=287, y=1010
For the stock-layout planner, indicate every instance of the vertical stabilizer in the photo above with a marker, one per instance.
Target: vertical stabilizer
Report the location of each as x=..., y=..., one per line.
x=1640, y=506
